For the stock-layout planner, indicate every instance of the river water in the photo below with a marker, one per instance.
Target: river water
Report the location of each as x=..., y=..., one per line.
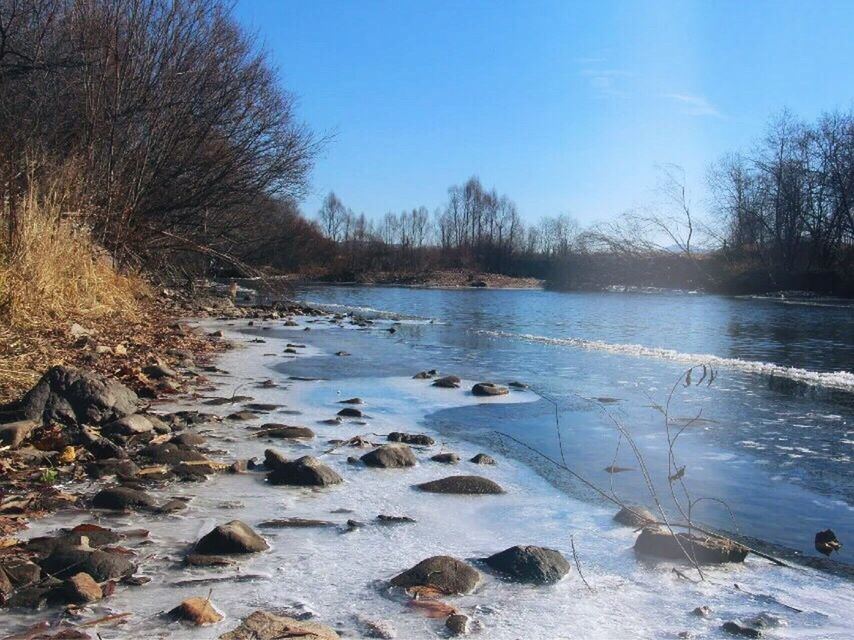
x=772, y=436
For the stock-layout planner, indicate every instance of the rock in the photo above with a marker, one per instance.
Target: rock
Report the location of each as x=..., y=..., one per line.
x=14, y=433
x=446, y=458
x=457, y=624
x=81, y=588
x=159, y=371
x=482, y=458
x=341, y=353
x=199, y=560
x=73, y=396
x=187, y=439
x=171, y=454
x=660, y=543
x=296, y=523
x=737, y=630
x=242, y=415
x=447, y=574
x=390, y=456
x=350, y=412
x=448, y=382
x=826, y=542
x=128, y=426
x=100, y=447
x=535, y=565
x=288, y=432
x=231, y=538
x=411, y=438
x=636, y=517
x=518, y=385
x=616, y=469
x=468, y=485
x=386, y=519
x=351, y=401
x=261, y=406
x=16, y=573
x=422, y=375
x=376, y=628
x=123, y=499
x=274, y=460
x=261, y=625
x=702, y=612
x=307, y=471
x=489, y=389
x=66, y=560
x=121, y=468
x=198, y=611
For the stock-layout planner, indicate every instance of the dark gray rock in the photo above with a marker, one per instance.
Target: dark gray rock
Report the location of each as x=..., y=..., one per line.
x=535, y=565
x=171, y=454
x=447, y=382
x=735, y=629
x=457, y=624
x=489, y=389
x=120, y=467
x=73, y=396
x=446, y=458
x=306, y=471
x=187, y=439
x=392, y=520
x=482, y=458
x=468, y=485
x=411, y=438
x=350, y=412
x=123, y=499
x=390, y=456
x=234, y=537
x=447, y=574
x=660, y=543
x=131, y=425
x=274, y=460
x=285, y=431
x=66, y=561
x=634, y=516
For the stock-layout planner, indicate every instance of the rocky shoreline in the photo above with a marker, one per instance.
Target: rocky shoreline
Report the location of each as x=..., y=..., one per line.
x=87, y=443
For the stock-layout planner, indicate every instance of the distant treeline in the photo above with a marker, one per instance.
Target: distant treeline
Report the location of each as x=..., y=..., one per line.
x=782, y=217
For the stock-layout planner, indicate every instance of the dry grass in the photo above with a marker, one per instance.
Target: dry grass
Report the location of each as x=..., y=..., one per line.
x=52, y=274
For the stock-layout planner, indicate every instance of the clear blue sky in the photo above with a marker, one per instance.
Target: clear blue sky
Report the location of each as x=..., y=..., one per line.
x=568, y=107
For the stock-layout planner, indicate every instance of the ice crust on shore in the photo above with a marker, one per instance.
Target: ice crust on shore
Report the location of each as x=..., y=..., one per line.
x=340, y=575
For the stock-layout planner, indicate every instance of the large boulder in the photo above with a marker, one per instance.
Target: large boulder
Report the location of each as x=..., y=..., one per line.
x=634, y=516
x=468, y=485
x=660, y=543
x=261, y=625
x=447, y=574
x=231, y=538
x=536, y=565
x=307, y=471
x=390, y=456
x=73, y=396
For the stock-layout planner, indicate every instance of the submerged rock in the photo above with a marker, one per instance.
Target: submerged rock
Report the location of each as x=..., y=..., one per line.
x=633, y=516
x=467, y=485
x=489, y=389
x=350, y=412
x=295, y=523
x=307, y=471
x=446, y=458
x=390, y=456
x=351, y=401
x=482, y=458
x=285, y=431
x=536, y=565
x=660, y=543
x=242, y=415
x=387, y=519
x=736, y=629
x=198, y=611
x=447, y=574
x=411, y=438
x=234, y=537
x=267, y=626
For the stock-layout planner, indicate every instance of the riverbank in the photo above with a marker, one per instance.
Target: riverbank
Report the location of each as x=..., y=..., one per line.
x=330, y=557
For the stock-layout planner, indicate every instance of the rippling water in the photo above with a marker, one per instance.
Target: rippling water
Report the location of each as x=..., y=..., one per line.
x=775, y=433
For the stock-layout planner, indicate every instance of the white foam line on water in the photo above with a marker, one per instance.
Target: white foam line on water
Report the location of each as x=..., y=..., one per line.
x=379, y=313
x=842, y=380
